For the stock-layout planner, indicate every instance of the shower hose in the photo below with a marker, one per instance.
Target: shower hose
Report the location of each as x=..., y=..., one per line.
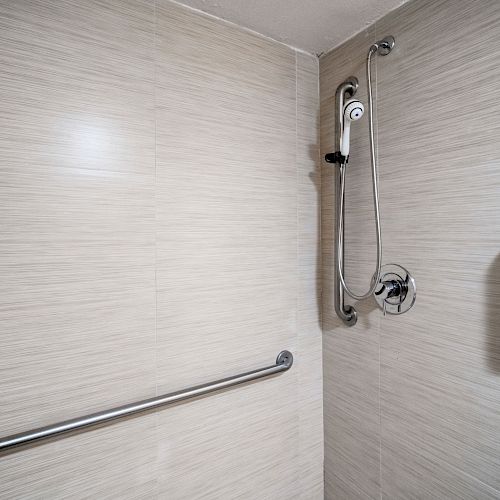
x=340, y=229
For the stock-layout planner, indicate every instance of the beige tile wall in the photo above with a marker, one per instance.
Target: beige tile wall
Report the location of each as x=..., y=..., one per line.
x=309, y=337
x=159, y=198
x=412, y=403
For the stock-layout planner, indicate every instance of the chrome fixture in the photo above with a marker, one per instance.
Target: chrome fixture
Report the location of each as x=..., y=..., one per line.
x=396, y=290
x=347, y=88
x=283, y=362
x=346, y=113
x=384, y=46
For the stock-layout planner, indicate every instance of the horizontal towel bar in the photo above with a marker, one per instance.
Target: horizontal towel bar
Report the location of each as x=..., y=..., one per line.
x=283, y=362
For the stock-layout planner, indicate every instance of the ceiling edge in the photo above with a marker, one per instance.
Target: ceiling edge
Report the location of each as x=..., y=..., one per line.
x=367, y=26
x=244, y=28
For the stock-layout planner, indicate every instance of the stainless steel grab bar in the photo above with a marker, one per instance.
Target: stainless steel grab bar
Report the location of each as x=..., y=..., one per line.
x=283, y=362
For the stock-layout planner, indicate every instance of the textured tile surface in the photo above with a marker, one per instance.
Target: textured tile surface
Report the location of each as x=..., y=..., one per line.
x=159, y=213
x=77, y=306
x=309, y=338
x=441, y=379
x=439, y=364
x=226, y=196
x=350, y=356
x=227, y=255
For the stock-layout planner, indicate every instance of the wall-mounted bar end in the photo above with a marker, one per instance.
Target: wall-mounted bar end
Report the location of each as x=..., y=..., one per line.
x=351, y=316
x=285, y=358
x=283, y=362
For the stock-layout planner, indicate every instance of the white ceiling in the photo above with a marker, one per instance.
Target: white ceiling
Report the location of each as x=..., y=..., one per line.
x=311, y=25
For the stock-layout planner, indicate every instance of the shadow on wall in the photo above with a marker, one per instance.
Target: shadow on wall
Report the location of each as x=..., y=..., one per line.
x=492, y=342
x=315, y=176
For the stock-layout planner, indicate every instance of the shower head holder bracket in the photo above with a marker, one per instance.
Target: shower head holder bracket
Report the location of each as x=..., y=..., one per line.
x=336, y=157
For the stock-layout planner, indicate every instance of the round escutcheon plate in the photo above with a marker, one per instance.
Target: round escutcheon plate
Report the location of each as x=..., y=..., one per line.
x=397, y=304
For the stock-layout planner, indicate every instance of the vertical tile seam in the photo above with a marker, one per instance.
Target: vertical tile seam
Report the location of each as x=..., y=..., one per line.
x=155, y=194
x=319, y=212
x=319, y=253
x=155, y=197
x=297, y=278
x=321, y=273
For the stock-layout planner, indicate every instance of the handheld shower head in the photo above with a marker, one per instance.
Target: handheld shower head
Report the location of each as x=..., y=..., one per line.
x=353, y=111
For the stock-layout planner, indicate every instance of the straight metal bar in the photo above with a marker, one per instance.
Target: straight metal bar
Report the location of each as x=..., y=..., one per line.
x=283, y=362
x=345, y=312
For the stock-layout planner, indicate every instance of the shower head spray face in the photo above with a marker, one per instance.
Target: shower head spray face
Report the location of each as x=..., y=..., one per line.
x=353, y=111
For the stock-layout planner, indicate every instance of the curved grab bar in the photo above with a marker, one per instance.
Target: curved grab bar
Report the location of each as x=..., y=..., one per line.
x=283, y=362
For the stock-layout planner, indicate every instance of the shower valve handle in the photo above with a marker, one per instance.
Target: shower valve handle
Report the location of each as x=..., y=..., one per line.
x=396, y=290
x=391, y=288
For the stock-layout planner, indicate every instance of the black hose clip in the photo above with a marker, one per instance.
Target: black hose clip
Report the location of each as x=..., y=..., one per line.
x=336, y=157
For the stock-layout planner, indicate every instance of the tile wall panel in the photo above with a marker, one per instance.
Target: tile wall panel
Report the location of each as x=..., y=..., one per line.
x=77, y=245
x=350, y=356
x=227, y=255
x=439, y=387
x=309, y=349
x=160, y=228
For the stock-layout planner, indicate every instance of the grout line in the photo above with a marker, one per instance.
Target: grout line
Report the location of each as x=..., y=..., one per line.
x=297, y=201
x=319, y=209
x=379, y=414
x=297, y=270
x=155, y=196
x=318, y=275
